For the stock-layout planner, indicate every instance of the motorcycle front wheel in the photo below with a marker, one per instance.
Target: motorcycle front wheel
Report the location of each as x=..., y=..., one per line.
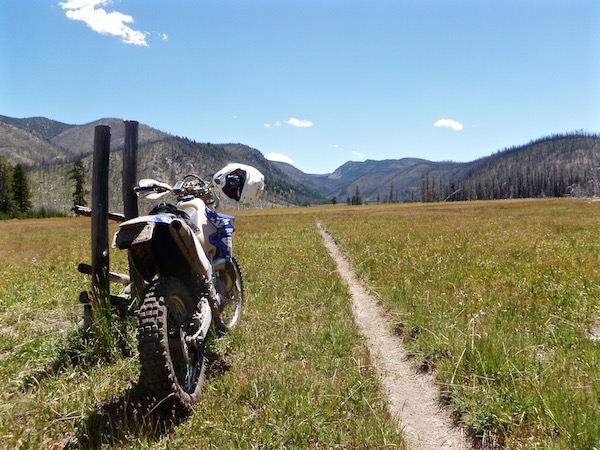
x=172, y=370
x=230, y=286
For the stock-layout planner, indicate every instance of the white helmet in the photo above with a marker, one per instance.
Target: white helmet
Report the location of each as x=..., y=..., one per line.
x=240, y=182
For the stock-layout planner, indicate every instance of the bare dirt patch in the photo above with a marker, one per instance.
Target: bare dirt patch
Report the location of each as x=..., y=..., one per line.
x=413, y=398
x=595, y=333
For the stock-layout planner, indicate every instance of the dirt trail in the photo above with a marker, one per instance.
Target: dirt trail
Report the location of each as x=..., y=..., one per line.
x=413, y=398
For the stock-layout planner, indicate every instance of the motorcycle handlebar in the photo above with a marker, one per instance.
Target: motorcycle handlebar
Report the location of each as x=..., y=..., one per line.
x=143, y=188
x=197, y=188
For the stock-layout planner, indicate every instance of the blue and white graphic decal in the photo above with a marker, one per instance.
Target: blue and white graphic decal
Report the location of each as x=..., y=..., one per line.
x=222, y=237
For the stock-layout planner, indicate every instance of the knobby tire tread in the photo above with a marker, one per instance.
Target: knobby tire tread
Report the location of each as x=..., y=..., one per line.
x=155, y=359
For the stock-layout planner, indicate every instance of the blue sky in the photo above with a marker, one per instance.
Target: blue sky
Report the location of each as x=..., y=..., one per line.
x=316, y=82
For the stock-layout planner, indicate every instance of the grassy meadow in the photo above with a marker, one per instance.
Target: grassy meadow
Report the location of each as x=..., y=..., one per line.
x=499, y=299
x=294, y=375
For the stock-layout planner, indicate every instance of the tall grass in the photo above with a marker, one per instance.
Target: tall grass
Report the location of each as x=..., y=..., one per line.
x=299, y=375
x=499, y=298
x=294, y=375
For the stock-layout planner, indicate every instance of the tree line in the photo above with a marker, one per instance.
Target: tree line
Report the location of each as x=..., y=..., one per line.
x=561, y=165
x=15, y=191
x=15, y=195
x=357, y=198
x=566, y=165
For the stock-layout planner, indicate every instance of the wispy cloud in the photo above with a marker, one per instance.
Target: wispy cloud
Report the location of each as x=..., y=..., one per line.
x=98, y=19
x=358, y=155
x=449, y=123
x=279, y=157
x=300, y=123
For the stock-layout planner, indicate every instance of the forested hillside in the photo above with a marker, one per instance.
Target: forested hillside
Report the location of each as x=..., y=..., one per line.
x=48, y=150
x=554, y=166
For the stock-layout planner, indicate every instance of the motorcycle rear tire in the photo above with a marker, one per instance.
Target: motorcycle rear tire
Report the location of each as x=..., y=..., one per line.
x=163, y=320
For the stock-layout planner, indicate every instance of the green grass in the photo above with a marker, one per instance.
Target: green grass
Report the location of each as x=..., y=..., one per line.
x=499, y=298
x=294, y=375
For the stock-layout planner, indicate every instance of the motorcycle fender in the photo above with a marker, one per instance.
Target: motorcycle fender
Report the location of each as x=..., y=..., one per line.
x=137, y=231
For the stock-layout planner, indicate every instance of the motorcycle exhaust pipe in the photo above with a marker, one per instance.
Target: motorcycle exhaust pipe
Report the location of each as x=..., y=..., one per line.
x=189, y=245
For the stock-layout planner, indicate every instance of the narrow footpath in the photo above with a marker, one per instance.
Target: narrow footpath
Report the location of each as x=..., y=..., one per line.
x=413, y=398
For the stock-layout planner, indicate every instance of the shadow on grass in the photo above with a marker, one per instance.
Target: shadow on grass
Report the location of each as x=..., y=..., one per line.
x=136, y=417
x=84, y=347
x=131, y=418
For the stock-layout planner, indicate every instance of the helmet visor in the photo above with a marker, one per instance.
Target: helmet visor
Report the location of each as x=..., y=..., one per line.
x=234, y=184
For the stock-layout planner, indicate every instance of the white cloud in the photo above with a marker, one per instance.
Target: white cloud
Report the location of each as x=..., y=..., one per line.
x=456, y=126
x=267, y=125
x=358, y=155
x=112, y=23
x=279, y=157
x=300, y=123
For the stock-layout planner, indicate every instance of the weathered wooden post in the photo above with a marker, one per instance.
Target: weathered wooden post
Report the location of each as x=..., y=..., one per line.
x=100, y=257
x=99, y=299
x=130, y=201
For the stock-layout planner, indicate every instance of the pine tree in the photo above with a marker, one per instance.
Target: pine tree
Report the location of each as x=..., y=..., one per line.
x=78, y=175
x=357, y=199
x=21, y=192
x=6, y=191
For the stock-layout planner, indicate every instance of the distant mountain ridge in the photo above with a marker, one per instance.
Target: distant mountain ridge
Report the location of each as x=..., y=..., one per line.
x=48, y=149
x=558, y=165
x=46, y=128
x=553, y=166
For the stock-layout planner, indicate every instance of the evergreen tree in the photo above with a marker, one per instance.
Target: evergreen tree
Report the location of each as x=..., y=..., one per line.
x=21, y=192
x=357, y=199
x=78, y=175
x=6, y=191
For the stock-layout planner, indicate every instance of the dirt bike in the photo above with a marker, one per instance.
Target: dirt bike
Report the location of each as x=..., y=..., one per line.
x=183, y=254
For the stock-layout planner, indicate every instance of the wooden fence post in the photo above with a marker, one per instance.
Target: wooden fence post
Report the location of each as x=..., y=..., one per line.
x=130, y=201
x=100, y=258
